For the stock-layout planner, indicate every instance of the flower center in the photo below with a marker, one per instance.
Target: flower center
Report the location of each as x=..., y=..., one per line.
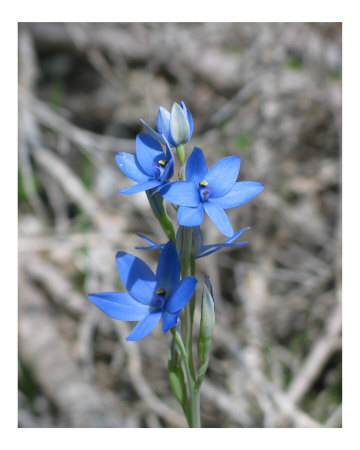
x=160, y=167
x=159, y=298
x=204, y=190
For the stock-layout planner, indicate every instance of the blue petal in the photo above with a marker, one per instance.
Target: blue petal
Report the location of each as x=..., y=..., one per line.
x=242, y=192
x=215, y=248
x=196, y=168
x=168, y=269
x=228, y=241
x=163, y=124
x=222, y=175
x=168, y=171
x=181, y=294
x=153, y=133
x=136, y=188
x=219, y=217
x=189, y=117
x=148, y=151
x=153, y=245
x=129, y=164
x=169, y=153
x=120, y=305
x=145, y=326
x=236, y=235
x=190, y=216
x=169, y=320
x=136, y=276
x=182, y=193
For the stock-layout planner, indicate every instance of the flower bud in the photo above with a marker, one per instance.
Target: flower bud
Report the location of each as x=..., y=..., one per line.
x=207, y=322
x=179, y=125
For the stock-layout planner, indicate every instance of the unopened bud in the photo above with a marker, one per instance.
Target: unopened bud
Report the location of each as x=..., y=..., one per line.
x=207, y=322
x=179, y=125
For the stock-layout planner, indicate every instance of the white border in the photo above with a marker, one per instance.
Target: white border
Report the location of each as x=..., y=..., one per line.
x=180, y=10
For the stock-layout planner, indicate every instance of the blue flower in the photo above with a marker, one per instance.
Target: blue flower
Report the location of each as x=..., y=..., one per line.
x=176, y=126
x=214, y=190
x=150, y=297
x=150, y=167
x=201, y=249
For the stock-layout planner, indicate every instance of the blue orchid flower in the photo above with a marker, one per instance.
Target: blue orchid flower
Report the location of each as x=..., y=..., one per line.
x=150, y=297
x=176, y=126
x=201, y=249
x=150, y=167
x=212, y=190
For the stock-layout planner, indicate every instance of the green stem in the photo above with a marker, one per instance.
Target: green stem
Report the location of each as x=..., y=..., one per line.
x=188, y=263
x=189, y=308
x=194, y=392
x=157, y=204
x=195, y=409
x=193, y=298
x=180, y=150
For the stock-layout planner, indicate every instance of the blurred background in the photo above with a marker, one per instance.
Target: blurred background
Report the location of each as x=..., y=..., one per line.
x=268, y=92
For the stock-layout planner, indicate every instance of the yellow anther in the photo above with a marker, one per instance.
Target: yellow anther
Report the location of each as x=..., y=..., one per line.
x=162, y=162
x=203, y=183
x=160, y=291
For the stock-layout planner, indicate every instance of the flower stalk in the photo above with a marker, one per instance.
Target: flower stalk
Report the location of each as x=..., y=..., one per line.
x=169, y=293
x=158, y=207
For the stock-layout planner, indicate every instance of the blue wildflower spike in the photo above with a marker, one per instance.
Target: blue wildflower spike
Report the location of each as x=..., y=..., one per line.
x=212, y=190
x=175, y=126
x=150, y=167
x=150, y=297
x=201, y=250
